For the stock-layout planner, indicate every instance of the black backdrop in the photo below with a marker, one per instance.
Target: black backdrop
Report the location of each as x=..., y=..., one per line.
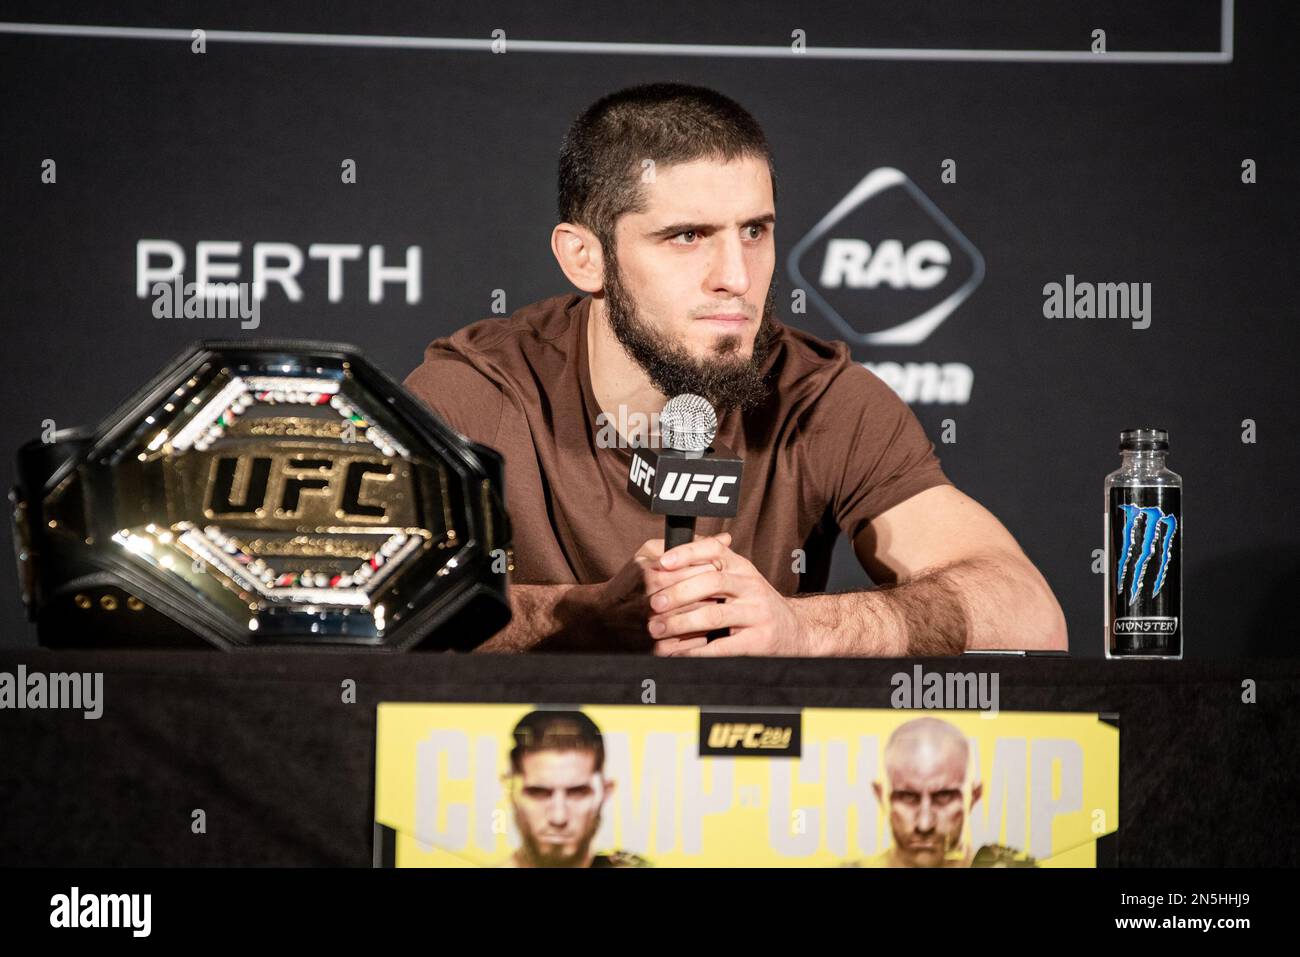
x=1109, y=168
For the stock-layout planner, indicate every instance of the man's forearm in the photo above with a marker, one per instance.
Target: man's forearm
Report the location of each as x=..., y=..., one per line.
x=993, y=601
x=543, y=618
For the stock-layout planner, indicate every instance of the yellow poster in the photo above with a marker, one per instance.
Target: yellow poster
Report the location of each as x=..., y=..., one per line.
x=516, y=785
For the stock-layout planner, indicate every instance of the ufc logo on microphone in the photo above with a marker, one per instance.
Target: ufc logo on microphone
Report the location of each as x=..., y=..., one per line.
x=643, y=474
x=685, y=487
x=669, y=482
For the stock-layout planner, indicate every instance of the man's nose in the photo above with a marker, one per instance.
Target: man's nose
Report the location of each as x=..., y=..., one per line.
x=730, y=272
x=925, y=817
x=557, y=810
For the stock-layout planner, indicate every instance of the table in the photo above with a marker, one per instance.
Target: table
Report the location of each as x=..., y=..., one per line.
x=283, y=768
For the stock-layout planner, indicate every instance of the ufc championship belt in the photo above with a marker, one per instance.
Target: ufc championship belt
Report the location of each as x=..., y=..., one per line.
x=264, y=493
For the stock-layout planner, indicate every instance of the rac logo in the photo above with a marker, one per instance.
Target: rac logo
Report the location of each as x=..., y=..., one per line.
x=850, y=262
x=885, y=266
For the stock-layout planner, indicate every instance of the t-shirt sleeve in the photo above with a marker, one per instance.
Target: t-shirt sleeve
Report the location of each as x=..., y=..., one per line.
x=875, y=451
x=458, y=394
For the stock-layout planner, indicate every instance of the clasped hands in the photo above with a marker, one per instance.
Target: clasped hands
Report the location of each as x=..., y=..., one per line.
x=674, y=596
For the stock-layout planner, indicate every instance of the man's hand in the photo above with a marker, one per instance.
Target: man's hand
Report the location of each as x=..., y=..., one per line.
x=622, y=603
x=603, y=616
x=762, y=621
x=618, y=609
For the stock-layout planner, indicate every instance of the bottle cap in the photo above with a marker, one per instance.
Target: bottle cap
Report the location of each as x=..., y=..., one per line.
x=1143, y=440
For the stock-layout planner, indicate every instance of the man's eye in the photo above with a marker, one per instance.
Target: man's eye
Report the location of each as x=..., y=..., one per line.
x=690, y=232
x=758, y=231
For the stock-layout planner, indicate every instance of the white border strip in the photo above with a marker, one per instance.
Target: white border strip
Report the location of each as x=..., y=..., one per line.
x=1223, y=55
x=208, y=414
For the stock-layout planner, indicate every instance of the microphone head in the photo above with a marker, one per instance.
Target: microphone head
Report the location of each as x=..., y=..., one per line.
x=687, y=423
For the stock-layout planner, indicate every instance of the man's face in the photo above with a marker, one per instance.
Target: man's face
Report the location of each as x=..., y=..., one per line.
x=688, y=283
x=928, y=799
x=557, y=798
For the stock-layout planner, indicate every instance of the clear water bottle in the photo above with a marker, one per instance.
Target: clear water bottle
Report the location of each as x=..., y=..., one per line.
x=1144, y=546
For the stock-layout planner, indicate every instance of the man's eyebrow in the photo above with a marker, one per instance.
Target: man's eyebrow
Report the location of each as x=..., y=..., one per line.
x=673, y=229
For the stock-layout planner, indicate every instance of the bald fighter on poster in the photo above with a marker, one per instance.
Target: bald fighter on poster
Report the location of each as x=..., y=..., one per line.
x=928, y=790
x=668, y=208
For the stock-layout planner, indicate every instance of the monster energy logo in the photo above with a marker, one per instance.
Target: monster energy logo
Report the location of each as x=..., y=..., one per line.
x=1153, y=521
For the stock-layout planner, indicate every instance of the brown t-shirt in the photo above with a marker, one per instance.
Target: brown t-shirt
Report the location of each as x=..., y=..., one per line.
x=832, y=448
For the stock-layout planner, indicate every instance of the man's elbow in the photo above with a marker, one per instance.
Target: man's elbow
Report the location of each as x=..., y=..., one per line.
x=1048, y=631
x=1058, y=637
x=1030, y=617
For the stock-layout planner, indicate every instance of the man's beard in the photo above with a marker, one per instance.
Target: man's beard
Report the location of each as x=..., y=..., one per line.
x=726, y=378
x=542, y=855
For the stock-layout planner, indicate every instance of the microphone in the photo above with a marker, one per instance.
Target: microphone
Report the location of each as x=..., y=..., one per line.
x=687, y=424
x=689, y=475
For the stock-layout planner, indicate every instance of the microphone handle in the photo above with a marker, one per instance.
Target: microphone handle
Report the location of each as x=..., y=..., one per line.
x=678, y=530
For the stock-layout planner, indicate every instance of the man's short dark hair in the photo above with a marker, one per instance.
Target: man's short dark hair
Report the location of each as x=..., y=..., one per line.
x=668, y=123
x=556, y=731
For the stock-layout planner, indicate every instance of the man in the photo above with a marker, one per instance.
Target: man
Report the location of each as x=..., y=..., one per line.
x=930, y=787
x=928, y=792
x=667, y=208
x=558, y=789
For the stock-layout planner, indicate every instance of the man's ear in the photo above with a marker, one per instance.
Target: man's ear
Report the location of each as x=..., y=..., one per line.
x=609, y=789
x=880, y=794
x=976, y=790
x=578, y=252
